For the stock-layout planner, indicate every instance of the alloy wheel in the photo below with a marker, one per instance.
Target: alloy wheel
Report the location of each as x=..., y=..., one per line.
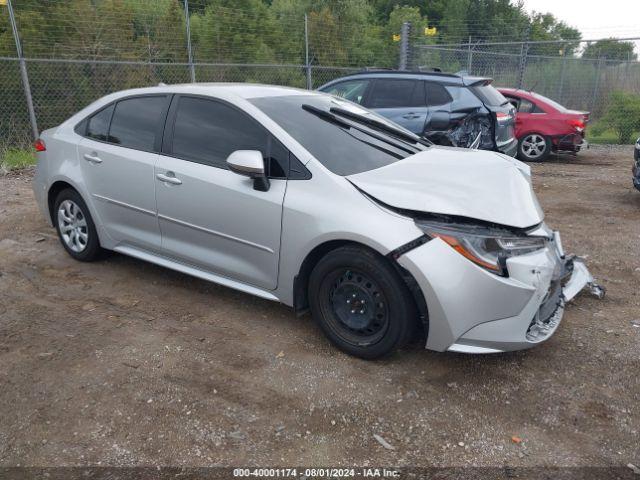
x=534, y=146
x=72, y=224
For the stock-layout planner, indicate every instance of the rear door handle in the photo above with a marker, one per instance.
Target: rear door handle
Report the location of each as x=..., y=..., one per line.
x=93, y=158
x=169, y=177
x=411, y=115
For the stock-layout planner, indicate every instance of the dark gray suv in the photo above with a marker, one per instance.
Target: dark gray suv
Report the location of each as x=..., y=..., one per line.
x=448, y=109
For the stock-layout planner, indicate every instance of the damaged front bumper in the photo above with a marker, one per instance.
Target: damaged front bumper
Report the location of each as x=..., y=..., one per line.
x=471, y=310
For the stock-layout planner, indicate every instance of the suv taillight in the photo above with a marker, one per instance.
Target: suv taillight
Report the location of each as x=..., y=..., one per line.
x=39, y=145
x=503, y=117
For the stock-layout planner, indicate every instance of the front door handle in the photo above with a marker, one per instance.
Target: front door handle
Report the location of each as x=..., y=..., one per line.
x=93, y=158
x=411, y=115
x=169, y=177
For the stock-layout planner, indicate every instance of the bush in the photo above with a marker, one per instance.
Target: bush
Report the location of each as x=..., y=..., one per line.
x=622, y=116
x=14, y=158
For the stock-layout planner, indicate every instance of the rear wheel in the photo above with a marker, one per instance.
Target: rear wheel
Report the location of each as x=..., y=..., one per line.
x=534, y=147
x=361, y=303
x=75, y=226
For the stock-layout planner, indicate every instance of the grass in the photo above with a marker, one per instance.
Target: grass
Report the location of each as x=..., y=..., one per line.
x=12, y=158
x=608, y=137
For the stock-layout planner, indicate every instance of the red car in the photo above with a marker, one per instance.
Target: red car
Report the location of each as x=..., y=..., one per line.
x=544, y=126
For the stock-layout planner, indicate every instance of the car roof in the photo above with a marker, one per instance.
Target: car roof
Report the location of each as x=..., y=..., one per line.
x=435, y=76
x=532, y=96
x=241, y=90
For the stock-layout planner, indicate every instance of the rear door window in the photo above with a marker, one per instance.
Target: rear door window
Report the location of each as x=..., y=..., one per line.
x=352, y=90
x=98, y=124
x=137, y=121
x=394, y=93
x=436, y=94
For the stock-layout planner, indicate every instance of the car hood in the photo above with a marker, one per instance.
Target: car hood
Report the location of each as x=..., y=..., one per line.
x=475, y=184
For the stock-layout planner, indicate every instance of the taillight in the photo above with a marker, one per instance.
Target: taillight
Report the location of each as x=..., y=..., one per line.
x=502, y=117
x=577, y=124
x=39, y=145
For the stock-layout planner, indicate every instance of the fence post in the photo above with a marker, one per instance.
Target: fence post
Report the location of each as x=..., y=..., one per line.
x=307, y=65
x=596, y=84
x=563, y=69
x=192, y=70
x=23, y=72
x=469, y=56
x=405, y=32
x=524, y=50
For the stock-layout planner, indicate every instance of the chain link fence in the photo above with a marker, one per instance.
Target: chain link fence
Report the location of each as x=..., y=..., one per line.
x=578, y=83
x=94, y=48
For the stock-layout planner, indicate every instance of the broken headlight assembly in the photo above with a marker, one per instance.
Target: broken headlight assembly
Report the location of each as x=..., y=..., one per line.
x=487, y=247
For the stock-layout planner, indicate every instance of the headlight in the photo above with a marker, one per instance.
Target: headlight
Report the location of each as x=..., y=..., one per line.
x=486, y=247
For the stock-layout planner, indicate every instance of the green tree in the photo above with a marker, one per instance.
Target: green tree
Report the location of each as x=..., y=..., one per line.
x=610, y=49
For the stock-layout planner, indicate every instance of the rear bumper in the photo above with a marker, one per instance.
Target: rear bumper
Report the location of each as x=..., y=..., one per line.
x=473, y=311
x=573, y=142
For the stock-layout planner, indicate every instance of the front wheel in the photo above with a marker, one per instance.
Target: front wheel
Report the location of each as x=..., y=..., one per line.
x=361, y=303
x=534, y=147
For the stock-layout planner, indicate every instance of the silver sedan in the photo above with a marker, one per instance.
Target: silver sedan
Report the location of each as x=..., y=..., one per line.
x=310, y=200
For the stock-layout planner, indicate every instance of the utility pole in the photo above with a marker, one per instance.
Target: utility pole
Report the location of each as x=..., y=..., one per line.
x=469, y=57
x=23, y=72
x=405, y=33
x=192, y=70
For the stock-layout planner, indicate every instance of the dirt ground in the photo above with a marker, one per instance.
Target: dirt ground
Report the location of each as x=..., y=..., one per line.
x=124, y=363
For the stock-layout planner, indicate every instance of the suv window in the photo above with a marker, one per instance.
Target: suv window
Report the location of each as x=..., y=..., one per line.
x=489, y=95
x=136, y=122
x=207, y=132
x=98, y=124
x=352, y=90
x=436, y=94
x=391, y=93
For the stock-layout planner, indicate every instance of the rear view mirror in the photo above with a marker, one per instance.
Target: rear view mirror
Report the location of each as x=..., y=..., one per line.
x=249, y=163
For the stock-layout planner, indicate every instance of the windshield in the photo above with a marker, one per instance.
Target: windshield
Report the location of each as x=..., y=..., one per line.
x=489, y=95
x=344, y=137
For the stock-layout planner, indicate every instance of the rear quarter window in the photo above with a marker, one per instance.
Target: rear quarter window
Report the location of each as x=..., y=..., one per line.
x=98, y=124
x=489, y=95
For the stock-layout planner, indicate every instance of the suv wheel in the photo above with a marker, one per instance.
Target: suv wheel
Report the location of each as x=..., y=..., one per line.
x=361, y=303
x=75, y=226
x=534, y=147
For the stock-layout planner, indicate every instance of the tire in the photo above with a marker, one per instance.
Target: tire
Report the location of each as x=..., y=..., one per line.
x=361, y=303
x=75, y=227
x=534, y=147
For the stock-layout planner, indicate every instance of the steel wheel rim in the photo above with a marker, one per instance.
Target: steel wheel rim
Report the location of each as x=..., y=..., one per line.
x=533, y=146
x=359, y=310
x=72, y=225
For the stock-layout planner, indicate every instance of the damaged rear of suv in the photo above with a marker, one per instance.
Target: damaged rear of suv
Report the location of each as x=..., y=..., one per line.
x=448, y=109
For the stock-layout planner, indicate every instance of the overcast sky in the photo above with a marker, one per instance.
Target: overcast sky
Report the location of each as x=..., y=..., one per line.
x=595, y=18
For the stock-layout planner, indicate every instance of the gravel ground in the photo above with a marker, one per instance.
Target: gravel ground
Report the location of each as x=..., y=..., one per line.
x=124, y=363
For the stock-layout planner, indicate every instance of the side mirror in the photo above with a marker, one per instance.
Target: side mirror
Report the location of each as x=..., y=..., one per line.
x=249, y=163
